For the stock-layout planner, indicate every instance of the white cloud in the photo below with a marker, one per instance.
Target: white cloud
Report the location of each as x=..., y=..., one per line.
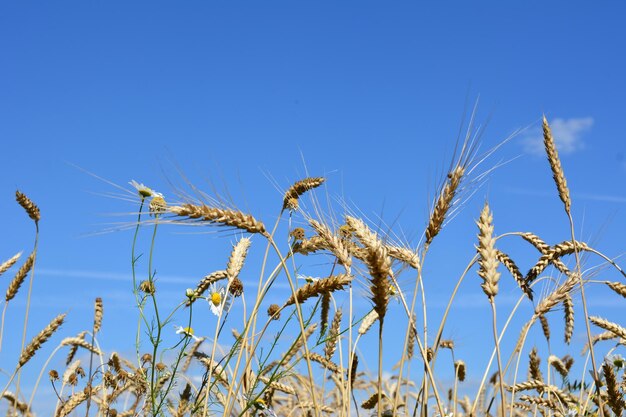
x=567, y=135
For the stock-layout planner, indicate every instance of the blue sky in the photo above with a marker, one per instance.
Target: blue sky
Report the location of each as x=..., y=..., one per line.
x=247, y=98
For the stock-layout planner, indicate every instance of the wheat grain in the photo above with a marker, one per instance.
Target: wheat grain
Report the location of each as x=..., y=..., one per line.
x=98, y=313
x=332, y=243
x=277, y=386
x=368, y=321
x=564, y=248
x=31, y=208
x=444, y=202
x=555, y=165
x=534, y=373
x=40, y=339
x=615, y=397
x=206, y=282
x=615, y=328
x=545, y=327
x=515, y=272
x=6, y=265
x=14, y=402
x=333, y=336
x=378, y=264
x=321, y=286
x=237, y=258
x=618, y=287
x=568, y=308
x=487, y=260
x=20, y=276
x=222, y=217
x=290, y=200
x=76, y=342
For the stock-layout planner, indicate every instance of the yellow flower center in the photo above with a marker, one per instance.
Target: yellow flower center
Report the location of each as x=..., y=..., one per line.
x=216, y=298
x=188, y=330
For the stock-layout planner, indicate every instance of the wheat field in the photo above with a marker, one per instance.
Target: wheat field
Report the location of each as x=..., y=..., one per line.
x=305, y=355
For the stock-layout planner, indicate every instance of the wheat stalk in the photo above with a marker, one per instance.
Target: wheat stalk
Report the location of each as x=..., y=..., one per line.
x=237, y=258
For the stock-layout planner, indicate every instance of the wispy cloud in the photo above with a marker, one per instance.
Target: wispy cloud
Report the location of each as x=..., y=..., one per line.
x=580, y=196
x=567, y=134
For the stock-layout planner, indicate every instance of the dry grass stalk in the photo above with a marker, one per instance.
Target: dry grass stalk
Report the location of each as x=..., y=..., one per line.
x=488, y=260
x=98, y=313
x=14, y=402
x=515, y=272
x=444, y=202
x=568, y=308
x=6, y=265
x=319, y=287
x=277, y=386
x=555, y=165
x=618, y=287
x=20, y=276
x=614, y=328
x=223, y=217
x=554, y=253
x=290, y=200
x=333, y=336
x=76, y=342
x=206, y=282
x=534, y=371
x=332, y=243
x=615, y=399
x=237, y=257
x=545, y=327
x=40, y=339
x=30, y=207
x=368, y=321
x=378, y=264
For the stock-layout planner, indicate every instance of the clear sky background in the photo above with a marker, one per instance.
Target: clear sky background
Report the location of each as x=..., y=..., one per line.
x=246, y=98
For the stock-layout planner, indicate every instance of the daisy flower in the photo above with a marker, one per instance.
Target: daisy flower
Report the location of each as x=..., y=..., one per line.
x=143, y=190
x=187, y=331
x=216, y=299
